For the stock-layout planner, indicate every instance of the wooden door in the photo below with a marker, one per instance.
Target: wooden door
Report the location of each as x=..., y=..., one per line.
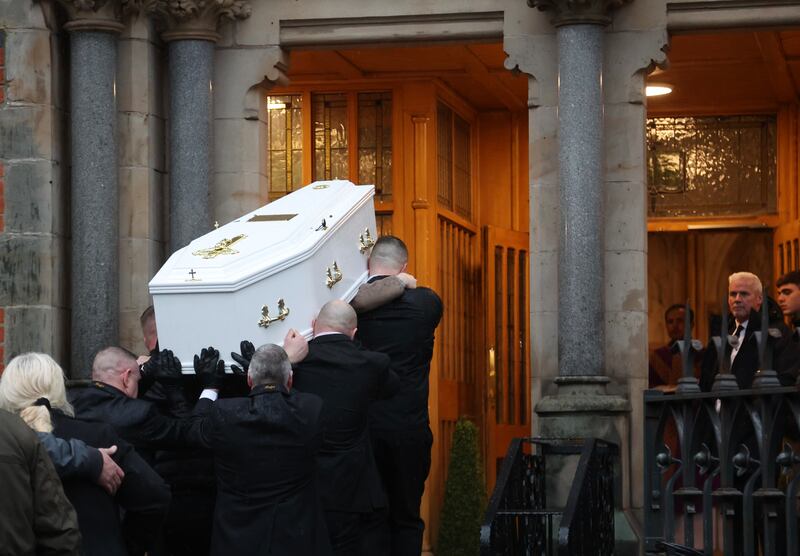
x=507, y=404
x=786, y=248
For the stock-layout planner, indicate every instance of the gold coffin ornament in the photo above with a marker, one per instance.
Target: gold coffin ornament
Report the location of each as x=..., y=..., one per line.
x=222, y=247
x=333, y=275
x=365, y=241
x=266, y=320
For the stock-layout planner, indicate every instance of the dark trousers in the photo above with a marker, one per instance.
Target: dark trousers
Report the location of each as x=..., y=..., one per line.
x=404, y=460
x=187, y=530
x=344, y=530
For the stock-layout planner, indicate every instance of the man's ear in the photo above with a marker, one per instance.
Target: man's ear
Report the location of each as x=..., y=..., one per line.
x=353, y=333
x=405, y=266
x=289, y=381
x=249, y=381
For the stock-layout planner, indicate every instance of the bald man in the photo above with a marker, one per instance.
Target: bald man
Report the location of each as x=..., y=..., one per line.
x=347, y=379
x=112, y=398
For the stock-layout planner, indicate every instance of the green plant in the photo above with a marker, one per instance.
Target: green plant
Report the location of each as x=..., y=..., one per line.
x=464, y=495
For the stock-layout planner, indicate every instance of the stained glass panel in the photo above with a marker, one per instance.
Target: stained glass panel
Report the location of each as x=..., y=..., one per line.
x=375, y=142
x=711, y=166
x=285, y=132
x=329, y=116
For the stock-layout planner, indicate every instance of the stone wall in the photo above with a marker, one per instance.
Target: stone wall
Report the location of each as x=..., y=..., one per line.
x=33, y=243
x=143, y=183
x=2, y=189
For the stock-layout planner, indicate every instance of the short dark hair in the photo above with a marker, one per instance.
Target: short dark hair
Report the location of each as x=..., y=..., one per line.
x=389, y=251
x=149, y=313
x=676, y=306
x=792, y=277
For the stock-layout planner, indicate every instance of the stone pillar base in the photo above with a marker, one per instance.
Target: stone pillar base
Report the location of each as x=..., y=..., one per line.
x=582, y=408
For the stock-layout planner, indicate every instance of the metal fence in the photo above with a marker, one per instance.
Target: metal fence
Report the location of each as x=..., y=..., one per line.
x=721, y=471
x=518, y=520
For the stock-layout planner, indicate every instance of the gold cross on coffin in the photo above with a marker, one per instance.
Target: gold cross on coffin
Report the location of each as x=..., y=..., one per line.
x=222, y=247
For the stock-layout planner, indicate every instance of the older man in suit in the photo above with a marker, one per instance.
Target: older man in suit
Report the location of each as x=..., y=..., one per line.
x=400, y=432
x=745, y=296
x=265, y=454
x=347, y=379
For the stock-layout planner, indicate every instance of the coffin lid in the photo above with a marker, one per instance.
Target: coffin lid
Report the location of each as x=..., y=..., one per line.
x=275, y=236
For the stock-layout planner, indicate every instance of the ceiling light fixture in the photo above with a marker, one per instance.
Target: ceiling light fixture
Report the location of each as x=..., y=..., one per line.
x=657, y=89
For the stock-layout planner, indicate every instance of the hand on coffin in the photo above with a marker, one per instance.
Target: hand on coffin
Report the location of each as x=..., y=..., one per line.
x=408, y=280
x=295, y=345
x=209, y=368
x=247, y=350
x=162, y=367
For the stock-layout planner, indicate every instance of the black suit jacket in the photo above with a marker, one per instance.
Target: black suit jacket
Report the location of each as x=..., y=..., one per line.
x=139, y=421
x=347, y=379
x=403, y=329
x=786, y=356
x=143, y=495
x=265, y=448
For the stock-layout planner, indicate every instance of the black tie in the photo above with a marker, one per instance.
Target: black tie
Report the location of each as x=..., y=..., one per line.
x=738, y=330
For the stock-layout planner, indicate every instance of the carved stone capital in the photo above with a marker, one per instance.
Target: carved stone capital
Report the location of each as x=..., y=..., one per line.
x=195, y=19
x=96, y=15
x=572, y=12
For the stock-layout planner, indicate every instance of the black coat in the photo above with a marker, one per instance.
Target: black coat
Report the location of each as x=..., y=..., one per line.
x=143, y=495
x=265, y=448
x=138, y=421
x=403, y=329
x=347, y=379
x=786, y=356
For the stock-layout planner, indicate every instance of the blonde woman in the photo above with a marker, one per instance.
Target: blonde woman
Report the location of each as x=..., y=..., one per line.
x=32, y=386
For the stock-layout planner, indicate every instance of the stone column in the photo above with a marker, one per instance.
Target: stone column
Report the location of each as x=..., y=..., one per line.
x=93, y=28
x=580, y=155
x=191, y=33
x=581, y=334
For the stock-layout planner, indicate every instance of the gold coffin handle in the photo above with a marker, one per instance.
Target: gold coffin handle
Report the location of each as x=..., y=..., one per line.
x=491, y=380
x=333, y=275
x=365, y=241
x=266, y=320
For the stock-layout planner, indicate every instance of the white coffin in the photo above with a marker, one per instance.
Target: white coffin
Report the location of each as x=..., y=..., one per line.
x=214, y=292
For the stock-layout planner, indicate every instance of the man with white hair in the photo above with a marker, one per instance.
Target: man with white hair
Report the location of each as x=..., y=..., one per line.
x=745, y=296
x=265, y=451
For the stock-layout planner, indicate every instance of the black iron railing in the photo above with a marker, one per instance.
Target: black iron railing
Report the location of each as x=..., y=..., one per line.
x=587, y=526
x=721, y=470
x=518, y=520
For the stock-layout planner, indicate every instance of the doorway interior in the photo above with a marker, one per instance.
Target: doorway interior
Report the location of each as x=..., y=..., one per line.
x=722, y=169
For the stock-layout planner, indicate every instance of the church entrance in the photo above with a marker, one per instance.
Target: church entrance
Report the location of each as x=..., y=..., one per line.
x=722, y=170
x=441, y=131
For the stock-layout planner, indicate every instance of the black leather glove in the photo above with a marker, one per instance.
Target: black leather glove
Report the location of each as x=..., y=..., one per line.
x=248, y=349
x=162, y=367
x=209, y=368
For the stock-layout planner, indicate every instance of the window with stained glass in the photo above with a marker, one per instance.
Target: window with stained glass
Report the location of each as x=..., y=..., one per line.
x=454, y=172
x=375, y=142
x=331, y=155
x=345, y=136
x=711, y=166
x=285, y=132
